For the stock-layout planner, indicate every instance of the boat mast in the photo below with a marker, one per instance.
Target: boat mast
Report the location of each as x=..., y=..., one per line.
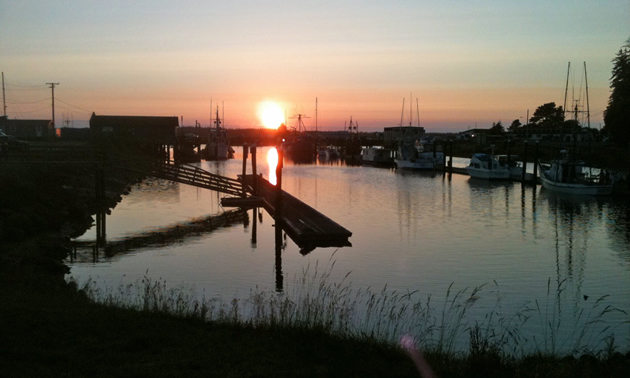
x=566, y=88
x=588, y=110
x=410, y=108
x=4, y=104
x=402, y=114
x=315, y=114
x=418, y=111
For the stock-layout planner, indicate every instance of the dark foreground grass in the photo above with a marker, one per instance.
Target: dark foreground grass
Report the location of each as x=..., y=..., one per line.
x=56, y=331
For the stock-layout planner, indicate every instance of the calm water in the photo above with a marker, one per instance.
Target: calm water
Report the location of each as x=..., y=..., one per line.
x=411, y=231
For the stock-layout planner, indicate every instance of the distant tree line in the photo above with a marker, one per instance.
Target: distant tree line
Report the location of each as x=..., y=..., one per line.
x=616, y=115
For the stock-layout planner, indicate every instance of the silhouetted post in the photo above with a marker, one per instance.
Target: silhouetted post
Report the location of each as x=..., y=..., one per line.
x=278, y=217
x=100, y=205
x=279, y=277
x=524, y=161
x=254, y=174
x=444, y=157
x=254, y=227
x=450, y=157
x=279, y=184
x=245, y=152
x=535, y=178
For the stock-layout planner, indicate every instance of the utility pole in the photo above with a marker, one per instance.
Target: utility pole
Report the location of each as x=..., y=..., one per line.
x=52, y=86
x=4, y=103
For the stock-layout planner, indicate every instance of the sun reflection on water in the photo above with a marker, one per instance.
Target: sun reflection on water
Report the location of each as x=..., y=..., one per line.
x=272, y=160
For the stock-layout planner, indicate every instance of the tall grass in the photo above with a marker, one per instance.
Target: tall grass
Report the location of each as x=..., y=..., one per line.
x=315, y=301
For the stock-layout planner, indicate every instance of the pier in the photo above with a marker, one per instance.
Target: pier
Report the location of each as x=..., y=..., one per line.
x=306, y=226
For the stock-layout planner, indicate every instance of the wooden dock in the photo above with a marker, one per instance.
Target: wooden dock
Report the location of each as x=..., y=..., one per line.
x=306, y=226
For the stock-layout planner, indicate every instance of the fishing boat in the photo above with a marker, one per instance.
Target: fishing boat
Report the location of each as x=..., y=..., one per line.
x=485, y=166
x=418, y=155
x=378, y=156
x=512, y=163
x=217, y=144
x=566, y=176
x=300, y=146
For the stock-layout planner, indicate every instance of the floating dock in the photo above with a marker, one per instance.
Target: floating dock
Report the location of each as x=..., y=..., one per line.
x=306, y=226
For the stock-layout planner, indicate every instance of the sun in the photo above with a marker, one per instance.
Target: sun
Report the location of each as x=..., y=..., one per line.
x=270, y=114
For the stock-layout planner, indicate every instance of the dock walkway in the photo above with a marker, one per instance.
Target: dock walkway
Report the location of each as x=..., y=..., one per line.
x=305, y=225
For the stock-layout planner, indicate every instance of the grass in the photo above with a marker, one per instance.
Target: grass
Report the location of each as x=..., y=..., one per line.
x=315, y=304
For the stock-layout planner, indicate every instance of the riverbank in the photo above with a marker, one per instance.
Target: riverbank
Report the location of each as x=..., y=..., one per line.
x=50, y=328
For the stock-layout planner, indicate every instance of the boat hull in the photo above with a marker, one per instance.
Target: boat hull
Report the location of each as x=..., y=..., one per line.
x=573, y=188
x=407, y=164
x=488, y=174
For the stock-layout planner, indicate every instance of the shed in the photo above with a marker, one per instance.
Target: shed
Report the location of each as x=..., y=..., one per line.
x=27, y=128
x=146, y=129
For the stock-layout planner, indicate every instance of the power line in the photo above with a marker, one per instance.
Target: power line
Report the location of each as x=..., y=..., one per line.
x=85, y=110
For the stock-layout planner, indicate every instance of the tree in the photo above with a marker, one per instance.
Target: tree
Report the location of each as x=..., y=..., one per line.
x=617, y=114
x=497, y=128
x=515, y=125
x=547, y=116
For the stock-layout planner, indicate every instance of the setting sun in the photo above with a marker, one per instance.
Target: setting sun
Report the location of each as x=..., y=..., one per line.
x=270, y=114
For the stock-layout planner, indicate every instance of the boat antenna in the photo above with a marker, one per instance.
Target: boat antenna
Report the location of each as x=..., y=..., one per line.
x=223, y=111
x=566, y=88
x=210, y=124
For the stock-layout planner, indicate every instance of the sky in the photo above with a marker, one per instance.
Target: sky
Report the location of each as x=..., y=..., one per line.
x=459, y=64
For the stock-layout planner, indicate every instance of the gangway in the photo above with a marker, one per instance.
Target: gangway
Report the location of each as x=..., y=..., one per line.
x=195, y=176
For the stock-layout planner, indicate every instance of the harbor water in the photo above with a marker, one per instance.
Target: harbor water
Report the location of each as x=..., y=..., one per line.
x=420, y=232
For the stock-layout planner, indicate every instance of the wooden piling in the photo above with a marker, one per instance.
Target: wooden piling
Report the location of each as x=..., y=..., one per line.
x=245, y=151
x=254, y=170
x=450, y=157
x=535, y=178
x=279, y=184
x=524, y=161
x=278, y=265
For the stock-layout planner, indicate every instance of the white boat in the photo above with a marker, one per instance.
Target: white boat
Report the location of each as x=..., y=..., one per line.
x=485, y=166
x=378, y=156
x=566, y=176
x=416, y=156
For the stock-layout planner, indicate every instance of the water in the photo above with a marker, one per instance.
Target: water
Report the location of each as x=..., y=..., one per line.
x=411, y=231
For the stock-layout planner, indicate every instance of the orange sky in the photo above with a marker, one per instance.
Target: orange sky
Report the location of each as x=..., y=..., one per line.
x=466, y=64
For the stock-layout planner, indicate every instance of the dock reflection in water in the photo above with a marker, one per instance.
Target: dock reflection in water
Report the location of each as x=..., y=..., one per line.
x=410, y=232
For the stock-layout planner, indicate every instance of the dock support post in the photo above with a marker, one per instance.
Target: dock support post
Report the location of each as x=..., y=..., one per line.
x=245, y=151
x=279, y=277
x=254, y=226
x=535, y=177
x=254, y=170
x=100, y=206
x=450, y=157
x=278, y=217
x=524, y=161
x=444, y=158
x=279, y=184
